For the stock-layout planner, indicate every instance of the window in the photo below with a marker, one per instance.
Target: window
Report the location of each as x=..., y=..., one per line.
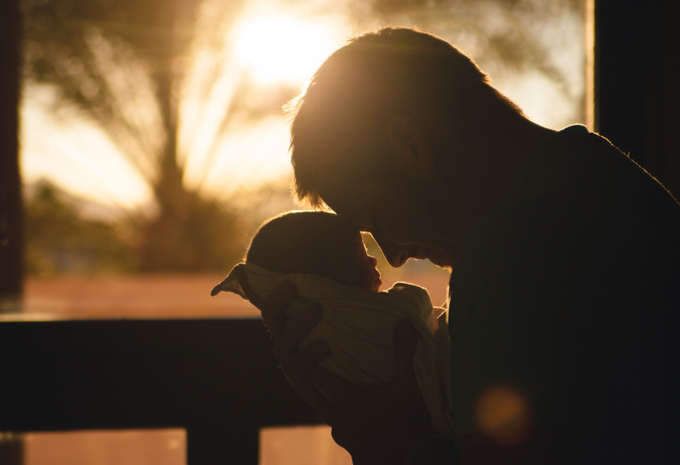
x=153, y=141
x=143, y=447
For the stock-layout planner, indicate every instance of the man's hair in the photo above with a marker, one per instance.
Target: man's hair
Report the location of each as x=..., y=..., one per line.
x=349, y=100
x=300, y=241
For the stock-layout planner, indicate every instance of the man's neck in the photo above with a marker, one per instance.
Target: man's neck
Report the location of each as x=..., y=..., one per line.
x=491, y=156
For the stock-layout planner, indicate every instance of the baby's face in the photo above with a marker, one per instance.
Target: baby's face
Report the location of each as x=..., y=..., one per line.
x=354, y=267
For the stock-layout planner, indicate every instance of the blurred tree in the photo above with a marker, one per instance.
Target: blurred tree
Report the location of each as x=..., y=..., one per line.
x=160, y=77
x=122, y=62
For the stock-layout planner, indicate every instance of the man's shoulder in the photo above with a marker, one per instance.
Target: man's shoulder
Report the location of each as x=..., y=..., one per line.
x=573, y=158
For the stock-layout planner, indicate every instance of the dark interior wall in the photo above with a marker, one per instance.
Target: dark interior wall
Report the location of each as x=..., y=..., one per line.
x=637, y=67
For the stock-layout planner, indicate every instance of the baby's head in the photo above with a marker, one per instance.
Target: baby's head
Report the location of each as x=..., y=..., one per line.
x=317, y=243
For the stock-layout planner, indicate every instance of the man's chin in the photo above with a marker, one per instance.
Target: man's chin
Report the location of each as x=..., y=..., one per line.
x=440, y=257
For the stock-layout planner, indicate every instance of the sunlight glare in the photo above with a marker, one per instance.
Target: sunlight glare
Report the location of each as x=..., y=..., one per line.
x=540, y=99
x=250, y=157
x=283, y=48
x=76, y=155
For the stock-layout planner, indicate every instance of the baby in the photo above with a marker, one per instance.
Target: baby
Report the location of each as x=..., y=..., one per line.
x=327, y=261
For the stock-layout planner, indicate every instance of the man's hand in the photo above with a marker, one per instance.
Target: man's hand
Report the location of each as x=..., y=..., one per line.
x=378, y=425
x=287, y=334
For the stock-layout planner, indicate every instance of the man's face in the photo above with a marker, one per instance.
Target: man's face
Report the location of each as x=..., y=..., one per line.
x=398, y=254
x=403, y=225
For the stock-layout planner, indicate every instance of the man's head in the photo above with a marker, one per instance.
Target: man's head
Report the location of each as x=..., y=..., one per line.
x=393, y=90
x=318, y=243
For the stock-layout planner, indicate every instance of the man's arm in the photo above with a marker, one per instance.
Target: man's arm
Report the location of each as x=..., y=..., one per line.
x=388, y=425
x=391, y=425
x=287, y=334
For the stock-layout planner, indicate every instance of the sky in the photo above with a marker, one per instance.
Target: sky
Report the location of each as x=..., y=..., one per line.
x=273, y=44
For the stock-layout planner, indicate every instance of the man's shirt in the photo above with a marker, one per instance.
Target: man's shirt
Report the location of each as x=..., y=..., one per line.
x=559, y=299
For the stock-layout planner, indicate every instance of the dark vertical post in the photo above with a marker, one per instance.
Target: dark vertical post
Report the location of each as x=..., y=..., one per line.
x=637, y=103
x=619, y=74
x=11, y=449
x=671, y=94
x=216, y=445
x=11, y=234
x=637, y=106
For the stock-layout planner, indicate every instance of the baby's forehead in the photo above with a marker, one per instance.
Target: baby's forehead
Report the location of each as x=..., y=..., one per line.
x=344, y=237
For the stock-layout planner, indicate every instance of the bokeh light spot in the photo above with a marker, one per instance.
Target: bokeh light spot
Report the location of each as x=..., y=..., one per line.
x=503, y=415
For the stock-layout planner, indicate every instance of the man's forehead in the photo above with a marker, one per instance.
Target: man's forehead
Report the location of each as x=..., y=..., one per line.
x=345, y=164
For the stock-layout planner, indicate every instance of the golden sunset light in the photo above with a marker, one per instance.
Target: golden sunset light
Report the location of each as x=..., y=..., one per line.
x=75, y=154
x=283, y=48
x=240, y=68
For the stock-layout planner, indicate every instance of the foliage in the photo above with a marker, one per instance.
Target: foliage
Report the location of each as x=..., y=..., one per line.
x=62, y=238
x=59, y=240
x=122, y=63
x=214, y=238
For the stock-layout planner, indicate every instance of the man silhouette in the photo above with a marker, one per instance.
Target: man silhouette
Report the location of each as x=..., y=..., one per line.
x=563, y=254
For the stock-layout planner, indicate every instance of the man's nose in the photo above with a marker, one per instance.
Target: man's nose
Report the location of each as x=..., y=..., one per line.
x=372, y=261
x=395, y=254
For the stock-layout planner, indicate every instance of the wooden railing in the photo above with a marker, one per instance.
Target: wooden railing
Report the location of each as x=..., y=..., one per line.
x=215, y=378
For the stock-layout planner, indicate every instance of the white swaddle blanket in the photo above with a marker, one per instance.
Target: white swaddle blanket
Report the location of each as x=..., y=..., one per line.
x=359, y=326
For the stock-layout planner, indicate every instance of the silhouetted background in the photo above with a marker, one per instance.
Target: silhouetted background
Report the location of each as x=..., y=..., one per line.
x=152, y=133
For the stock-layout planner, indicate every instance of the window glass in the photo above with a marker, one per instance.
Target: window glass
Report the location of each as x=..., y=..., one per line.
x=153, y=141
x=302, y=445
x=140, y=447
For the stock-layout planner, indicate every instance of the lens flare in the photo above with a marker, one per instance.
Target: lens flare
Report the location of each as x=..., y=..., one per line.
x=503, y=415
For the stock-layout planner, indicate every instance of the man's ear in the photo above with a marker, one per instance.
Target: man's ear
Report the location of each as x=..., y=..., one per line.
x=407, y=138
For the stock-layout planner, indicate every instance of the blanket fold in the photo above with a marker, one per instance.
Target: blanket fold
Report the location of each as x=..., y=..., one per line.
x=359, y=326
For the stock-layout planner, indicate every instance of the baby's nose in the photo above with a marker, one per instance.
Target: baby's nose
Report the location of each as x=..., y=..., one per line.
x=372, y=260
